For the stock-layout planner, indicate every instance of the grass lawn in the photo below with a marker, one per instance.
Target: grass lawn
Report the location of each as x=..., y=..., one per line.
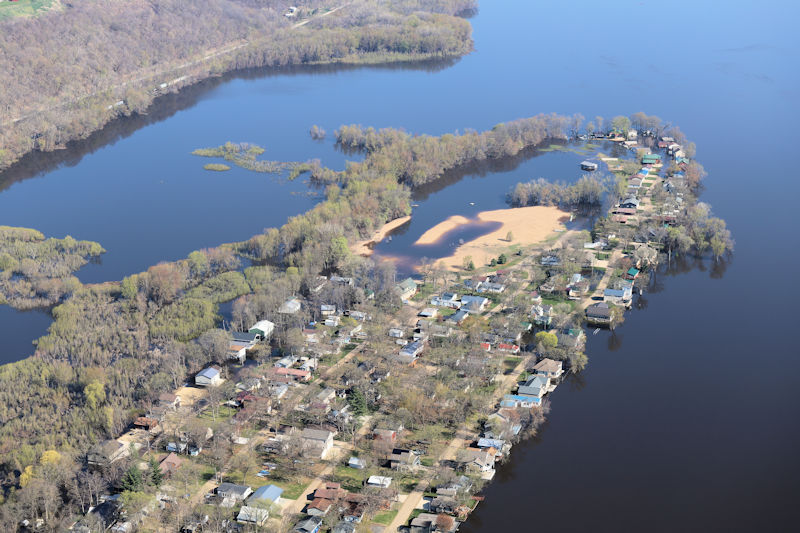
x=510, y=363
x=292, y=489
x=424, y=293
x=385, y=518
x=23, y=8
x=224, y=413
x=446, y=311
x=351, y=479
x=555, y=301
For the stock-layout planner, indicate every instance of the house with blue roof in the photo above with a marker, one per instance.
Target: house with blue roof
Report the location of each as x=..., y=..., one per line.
x=621, y=296
x=515, y=400
x=267, y=493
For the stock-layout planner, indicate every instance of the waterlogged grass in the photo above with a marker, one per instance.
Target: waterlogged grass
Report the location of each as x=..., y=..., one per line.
x=245, y=155
x=217, y=167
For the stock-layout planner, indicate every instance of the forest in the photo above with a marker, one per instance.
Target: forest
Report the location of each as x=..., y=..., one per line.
x=36, y=272
x=67, y=72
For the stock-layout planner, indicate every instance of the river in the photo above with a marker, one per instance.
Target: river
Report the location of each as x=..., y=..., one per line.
x=687, y=418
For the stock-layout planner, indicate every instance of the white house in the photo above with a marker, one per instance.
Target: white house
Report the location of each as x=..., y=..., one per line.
x=208, y=377
x=379, y=481
x=263, y=329
x=317, y=442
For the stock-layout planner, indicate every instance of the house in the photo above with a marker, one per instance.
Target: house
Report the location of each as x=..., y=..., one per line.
x=332, y=321
x=631, y=274
x=651, y=159
x=252, y=515
x=293, y=373
x=453, y=488
x=387, y=435
x=327, y=310
x=249, y=384
x=550, y=260
x=474, y=303
x=396, y=333
x=316, y=442
x=598, y=313
x=267, y=493
x=233, y=492
x=444, y=504
x=549, y=368
x=107, y=453
x=177, y=447
x=339, y=280
x=412, y=349
x=326, y=395
x=542, y=314
x=344, y=527
x=208, y=377
x=290, y=307
x=478, y=461
x=379, y=481
x=169, y=400
x=492, y=287
x=511, y=348
x=621, y=296
x=571, y=338
x=406, y=289
x=630, y=203
x=447, y=299
x=148, y=424
x=170, y=464
x=319, y=507
x=239, y=344
x=431, y=523
x=357, y=463
x=262, y=329
x=515, y=400
x=536, y=386
x=588, y=165
x=403, y=460
x=311, y=524
x=485, y=443
x=428, y=312
x=458, y=317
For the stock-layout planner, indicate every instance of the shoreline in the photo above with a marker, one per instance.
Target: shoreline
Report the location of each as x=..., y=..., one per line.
x=364, y=248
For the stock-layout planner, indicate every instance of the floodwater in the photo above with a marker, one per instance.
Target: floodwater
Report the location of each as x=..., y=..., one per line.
x=687, y=418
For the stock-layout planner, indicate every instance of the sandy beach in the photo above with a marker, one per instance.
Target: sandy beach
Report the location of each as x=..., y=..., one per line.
x=365, y=247
x=529, y=225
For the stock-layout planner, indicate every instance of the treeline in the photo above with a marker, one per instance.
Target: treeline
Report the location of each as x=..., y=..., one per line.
x=36, y=272
x=586, y=192
x=419, y=159
x=68, y=72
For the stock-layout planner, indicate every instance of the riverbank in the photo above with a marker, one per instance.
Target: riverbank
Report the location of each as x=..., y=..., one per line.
x=527, y=226
x=364, y=248
x=277, y=45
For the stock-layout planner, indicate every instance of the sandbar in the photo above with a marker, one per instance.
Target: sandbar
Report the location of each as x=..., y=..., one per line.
x=528, y=225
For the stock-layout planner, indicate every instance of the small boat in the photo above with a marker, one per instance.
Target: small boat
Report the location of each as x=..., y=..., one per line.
x=596, y=331
x=472, y=203
x=414, y=205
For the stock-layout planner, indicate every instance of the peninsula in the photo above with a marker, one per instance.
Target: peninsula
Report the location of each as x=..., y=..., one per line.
x=343, y=396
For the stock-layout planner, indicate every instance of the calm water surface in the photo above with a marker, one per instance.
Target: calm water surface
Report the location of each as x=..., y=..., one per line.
x=687, y=418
